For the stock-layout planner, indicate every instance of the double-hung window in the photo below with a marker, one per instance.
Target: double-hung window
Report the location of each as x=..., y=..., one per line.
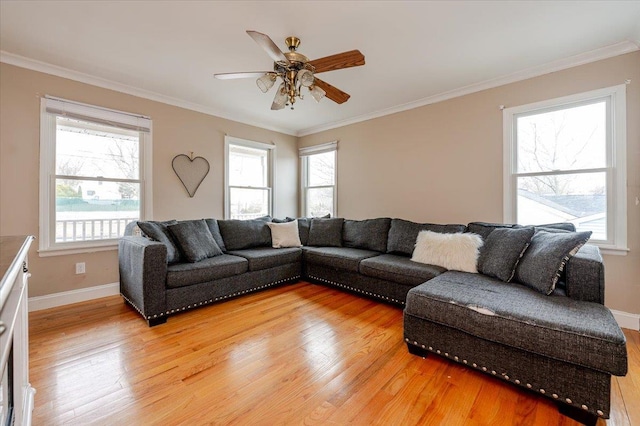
x=565, y=161
x=92, y=175
x=248, y=179
x=319, y=179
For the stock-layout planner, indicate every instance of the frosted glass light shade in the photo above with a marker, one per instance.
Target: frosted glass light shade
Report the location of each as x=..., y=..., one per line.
x=280, y=100
x=305, y=78
x=317, y=93
x=266, y=82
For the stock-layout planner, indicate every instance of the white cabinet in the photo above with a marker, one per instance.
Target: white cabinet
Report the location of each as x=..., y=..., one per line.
x=16, y=393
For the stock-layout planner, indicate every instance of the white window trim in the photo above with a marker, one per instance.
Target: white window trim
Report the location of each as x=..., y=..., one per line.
x=304, y=175
x=271, y=176
x=618, y=198
x=47, y=172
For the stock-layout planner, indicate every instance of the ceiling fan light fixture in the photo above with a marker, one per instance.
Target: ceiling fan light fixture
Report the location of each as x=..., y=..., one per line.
x=305, y=78
x=317, y=93
x=266, y=82
x=280, y=100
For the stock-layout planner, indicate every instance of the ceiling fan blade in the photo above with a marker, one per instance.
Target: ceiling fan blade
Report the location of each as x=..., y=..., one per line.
x=268, y=45
x=232, y=75
x=349, y=59
x=333, y=93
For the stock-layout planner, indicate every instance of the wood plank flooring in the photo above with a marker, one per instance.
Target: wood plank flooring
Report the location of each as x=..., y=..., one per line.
x=298, y=354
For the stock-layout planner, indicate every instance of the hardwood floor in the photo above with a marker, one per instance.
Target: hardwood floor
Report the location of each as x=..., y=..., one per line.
x=299, y=354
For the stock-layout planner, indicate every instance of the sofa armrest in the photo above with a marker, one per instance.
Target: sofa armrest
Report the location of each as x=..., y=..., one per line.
x=143, y=273
x=585, y=275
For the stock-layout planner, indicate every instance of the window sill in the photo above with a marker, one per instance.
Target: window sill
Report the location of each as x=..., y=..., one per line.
x=612, y=250
x=77, y=249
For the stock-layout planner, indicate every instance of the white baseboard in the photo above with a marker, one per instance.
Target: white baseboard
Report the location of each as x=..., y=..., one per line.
x=627, y=320
x=38, y=303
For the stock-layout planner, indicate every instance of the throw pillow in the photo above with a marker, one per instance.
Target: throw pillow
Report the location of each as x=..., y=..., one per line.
x=285, y=234
x=369, y=234
x=215, y=231
x=404, y=233
x=158, y=231
x=502, y=250
x=326, y=232
x=242, y=234
x=543, y=262
x=457, y=252
x=484, y=229
x=195, y=240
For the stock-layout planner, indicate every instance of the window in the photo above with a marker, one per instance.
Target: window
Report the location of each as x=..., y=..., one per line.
x=92, y=175
x=249, y=175
x=565, y=161
x=319, y=179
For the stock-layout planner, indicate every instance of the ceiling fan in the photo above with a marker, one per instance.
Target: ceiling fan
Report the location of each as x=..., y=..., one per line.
x=297, y=71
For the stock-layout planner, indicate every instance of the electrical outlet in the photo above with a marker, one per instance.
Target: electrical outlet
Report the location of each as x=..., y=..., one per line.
x=80, y=268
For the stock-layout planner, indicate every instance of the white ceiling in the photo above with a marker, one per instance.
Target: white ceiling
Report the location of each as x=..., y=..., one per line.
x=416, y=52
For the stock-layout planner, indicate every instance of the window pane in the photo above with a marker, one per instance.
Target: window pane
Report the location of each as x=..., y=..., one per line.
x=94, y=210
x=248, y=166
x=319, y=201
x=92, y=150
x=246, y=203
x=322, y=169
x=577, y=198
x=567, y=139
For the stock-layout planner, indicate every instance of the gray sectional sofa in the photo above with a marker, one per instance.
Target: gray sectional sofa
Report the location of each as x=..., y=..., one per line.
x=559, y=340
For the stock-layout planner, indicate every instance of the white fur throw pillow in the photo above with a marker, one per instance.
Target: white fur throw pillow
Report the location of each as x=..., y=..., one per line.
x=457, y=252
x=285, y=234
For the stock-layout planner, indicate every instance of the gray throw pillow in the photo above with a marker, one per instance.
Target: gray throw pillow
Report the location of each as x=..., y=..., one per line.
x=369, y=234
x=158, y=231
x=326, y=232
x=215, y=232
x=242, y=234
x=502, y=250
x=303, y=227
x=403, y=234
x=543, y=262
x=195, y=240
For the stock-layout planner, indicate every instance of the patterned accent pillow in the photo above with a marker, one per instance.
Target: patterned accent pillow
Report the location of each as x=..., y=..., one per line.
x=158, y=231
x=502, y=250
x=195, y=240
x=326, y=232
x=543, y=262
x=456, y=252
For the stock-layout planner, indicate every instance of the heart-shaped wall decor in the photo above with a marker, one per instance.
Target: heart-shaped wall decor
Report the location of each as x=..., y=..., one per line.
x=190, y=171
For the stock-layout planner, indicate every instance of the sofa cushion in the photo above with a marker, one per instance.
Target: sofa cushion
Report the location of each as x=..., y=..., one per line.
x=542, y=264
x=400, y=269
x=559, y=327
x=344, y=258
x=484, y=228
x=195, y=240
x=502, y=250
x=158, y=231
x=285, y=234
x=213, y=268
x=242, y=234
x=458, y=252
x=326, y=232
x=369, y=234
x=215, y=232
x=304, y=223
x=267, y=257
x=403, y=234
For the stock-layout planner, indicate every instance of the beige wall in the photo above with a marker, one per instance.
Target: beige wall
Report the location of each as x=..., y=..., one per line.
x=443, y=162
x=175, y=131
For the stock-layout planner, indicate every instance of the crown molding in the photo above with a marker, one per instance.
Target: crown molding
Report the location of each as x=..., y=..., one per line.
x=573, y=61
x=44, y=67
x=561, y=64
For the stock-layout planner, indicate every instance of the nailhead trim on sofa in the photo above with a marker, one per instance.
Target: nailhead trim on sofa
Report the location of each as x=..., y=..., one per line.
x=503, y=376
x=368, y=293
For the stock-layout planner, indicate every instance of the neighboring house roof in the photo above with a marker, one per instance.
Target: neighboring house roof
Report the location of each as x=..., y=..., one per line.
x=574, y=205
